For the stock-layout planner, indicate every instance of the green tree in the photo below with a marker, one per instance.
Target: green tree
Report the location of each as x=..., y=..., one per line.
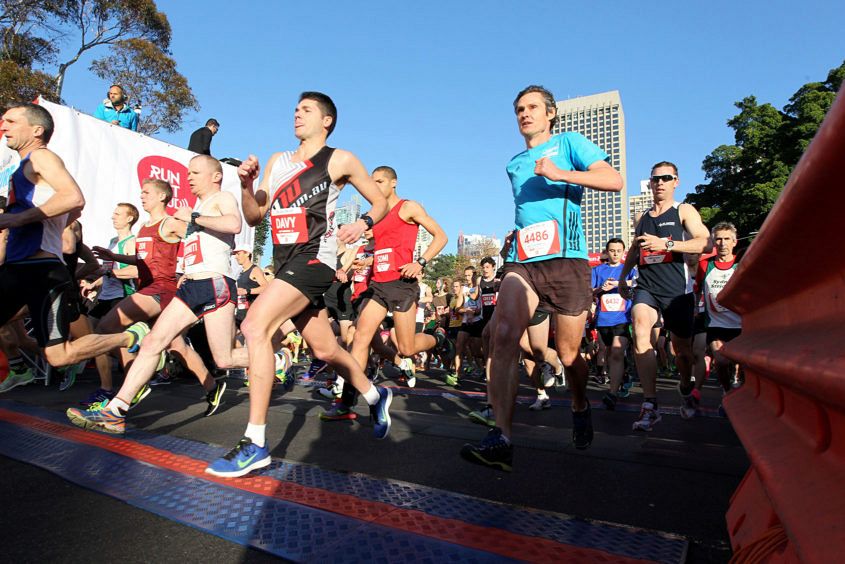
x=746, y=178
x=441, y=266
x=167, y=98
x=261, y=232
x=134, y=34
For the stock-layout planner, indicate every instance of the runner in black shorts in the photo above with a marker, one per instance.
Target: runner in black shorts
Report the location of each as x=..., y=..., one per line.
x=664, y=233
x=299, y=190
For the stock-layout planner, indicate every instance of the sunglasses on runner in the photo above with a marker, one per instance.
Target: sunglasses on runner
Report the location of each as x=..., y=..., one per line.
x=664, y=178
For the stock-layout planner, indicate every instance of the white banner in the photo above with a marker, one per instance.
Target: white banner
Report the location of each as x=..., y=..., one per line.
x=109, y=163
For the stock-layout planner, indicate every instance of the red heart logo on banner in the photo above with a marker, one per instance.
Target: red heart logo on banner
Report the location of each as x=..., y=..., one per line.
x=173, y=172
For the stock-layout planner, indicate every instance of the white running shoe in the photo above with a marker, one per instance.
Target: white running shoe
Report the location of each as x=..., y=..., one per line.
x=541, y=404
x=649, y=416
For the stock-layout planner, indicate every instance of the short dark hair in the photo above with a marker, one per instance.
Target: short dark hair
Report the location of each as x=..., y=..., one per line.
x=163, y=187
x=213, y=122
x=666, y=163
x=38, y=115
x=388, y=170
x=3, y=202
x=469, y=267
x=548, y=98
x=325, y=104
x=612, y=241
x=488, y=260
x=133, y=212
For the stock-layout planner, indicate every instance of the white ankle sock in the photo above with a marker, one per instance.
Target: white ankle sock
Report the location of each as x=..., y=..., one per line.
x=255, y=433
x=372, y=396
x=118, y=406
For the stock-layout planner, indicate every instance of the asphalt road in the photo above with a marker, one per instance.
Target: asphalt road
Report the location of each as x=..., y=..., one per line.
x=677, y=479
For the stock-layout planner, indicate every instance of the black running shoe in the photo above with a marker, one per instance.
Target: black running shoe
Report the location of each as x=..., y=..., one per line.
x=609, y=401
x=582, y=428
x=493, y=451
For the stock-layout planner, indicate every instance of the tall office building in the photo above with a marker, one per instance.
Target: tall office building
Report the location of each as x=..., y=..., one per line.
x=477, y=246
x=639, y=204
x=424, y=239
x=600, y=119
x=348, y=212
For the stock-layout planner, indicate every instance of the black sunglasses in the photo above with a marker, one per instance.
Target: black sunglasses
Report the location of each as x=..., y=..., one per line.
x=664, y=178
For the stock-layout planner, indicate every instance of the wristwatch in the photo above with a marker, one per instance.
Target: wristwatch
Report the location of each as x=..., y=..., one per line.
x=670, y=244
x=194, y=216
x=422, y=262
x=368, y=220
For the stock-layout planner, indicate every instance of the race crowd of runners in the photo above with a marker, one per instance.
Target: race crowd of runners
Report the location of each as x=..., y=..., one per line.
x=353, y=295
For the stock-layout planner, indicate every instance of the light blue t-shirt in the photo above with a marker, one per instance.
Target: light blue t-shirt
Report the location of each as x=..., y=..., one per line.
x=549, y=213
x=612, y=309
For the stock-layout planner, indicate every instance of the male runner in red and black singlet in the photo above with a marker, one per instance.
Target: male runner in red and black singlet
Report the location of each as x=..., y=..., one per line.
x=394, y=286
x=300, y=189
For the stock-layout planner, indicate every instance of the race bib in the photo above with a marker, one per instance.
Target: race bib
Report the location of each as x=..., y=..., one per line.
x=384, y=260
x=243, y=303
x=143, y=247
x=488, y=300
x=289, y=226
x=108, y=265
x=655, y=257
x=612, y=302
x=193, y=252
x=538, y=240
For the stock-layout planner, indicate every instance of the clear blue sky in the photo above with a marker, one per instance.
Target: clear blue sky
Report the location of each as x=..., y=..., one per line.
x=427, y=87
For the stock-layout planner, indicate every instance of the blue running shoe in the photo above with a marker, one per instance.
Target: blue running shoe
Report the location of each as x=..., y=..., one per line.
x=241, y=460
x=316, y=367
x=97, y=396
x=494, y=451
x=380, y=413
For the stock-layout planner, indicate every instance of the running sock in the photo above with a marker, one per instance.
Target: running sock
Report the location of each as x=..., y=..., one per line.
x=542, y=394
x=255, y=433
x=371, y=395
x=339, y=381
x=118, y=406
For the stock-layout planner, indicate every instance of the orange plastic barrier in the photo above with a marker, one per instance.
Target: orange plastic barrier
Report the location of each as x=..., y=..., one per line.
x=790, y=415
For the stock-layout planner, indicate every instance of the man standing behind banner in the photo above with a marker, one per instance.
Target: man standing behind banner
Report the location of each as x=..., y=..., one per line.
x=114, y=109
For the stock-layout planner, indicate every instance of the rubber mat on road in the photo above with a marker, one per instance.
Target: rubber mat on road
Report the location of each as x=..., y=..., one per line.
x=304, y=513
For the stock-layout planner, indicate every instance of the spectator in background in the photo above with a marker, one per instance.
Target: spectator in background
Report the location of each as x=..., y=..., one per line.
x=201, y=138
x=115, y=109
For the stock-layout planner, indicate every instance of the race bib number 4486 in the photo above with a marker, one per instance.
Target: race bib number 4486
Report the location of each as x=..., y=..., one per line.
x=537, y=240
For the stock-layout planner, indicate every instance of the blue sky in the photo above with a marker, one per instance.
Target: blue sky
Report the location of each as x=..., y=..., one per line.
x=427, y=87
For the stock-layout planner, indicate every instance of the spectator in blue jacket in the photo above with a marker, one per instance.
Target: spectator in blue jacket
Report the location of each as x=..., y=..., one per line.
x=115, y=109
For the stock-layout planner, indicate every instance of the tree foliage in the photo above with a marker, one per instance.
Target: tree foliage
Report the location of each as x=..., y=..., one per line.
x=167, y=96
x=746, y=178
x=261, y=232
x=44, y=38
x=441, y=266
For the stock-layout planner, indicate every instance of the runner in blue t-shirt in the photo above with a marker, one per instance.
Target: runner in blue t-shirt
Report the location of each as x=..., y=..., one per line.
x=613, y=314
x=546, y=265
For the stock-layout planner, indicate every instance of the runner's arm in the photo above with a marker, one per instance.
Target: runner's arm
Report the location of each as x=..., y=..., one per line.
x=131, y=271
x=228, y=222
x=412, y=211
x=255, y=202
x=67, y=196
x=345, y=167
x=89, y=263
x=598, y=176
x=258, y=277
